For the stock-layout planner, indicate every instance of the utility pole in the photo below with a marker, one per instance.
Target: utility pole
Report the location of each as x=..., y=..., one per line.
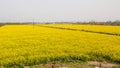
x=33, y=24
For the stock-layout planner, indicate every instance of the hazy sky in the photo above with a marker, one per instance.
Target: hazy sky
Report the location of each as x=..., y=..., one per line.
x=59, y=10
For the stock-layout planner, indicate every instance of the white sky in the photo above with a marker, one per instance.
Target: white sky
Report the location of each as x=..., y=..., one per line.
x=59, y=10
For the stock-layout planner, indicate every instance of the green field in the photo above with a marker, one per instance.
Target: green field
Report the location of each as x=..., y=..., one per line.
x=25, y=45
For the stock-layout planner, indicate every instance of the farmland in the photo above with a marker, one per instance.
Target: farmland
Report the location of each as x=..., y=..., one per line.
x=25, y=45
x=95, y=28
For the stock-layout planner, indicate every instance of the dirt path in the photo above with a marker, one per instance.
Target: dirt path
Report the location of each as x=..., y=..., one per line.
x=91, y=64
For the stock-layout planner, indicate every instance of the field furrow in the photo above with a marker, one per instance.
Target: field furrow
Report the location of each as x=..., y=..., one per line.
x=113, y=30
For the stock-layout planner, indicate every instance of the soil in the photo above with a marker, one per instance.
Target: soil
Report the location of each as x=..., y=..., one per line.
x=91, y=64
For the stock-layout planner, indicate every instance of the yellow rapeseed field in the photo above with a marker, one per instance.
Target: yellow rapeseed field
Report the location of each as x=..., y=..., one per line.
x=96, y=28
x=22, y=45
